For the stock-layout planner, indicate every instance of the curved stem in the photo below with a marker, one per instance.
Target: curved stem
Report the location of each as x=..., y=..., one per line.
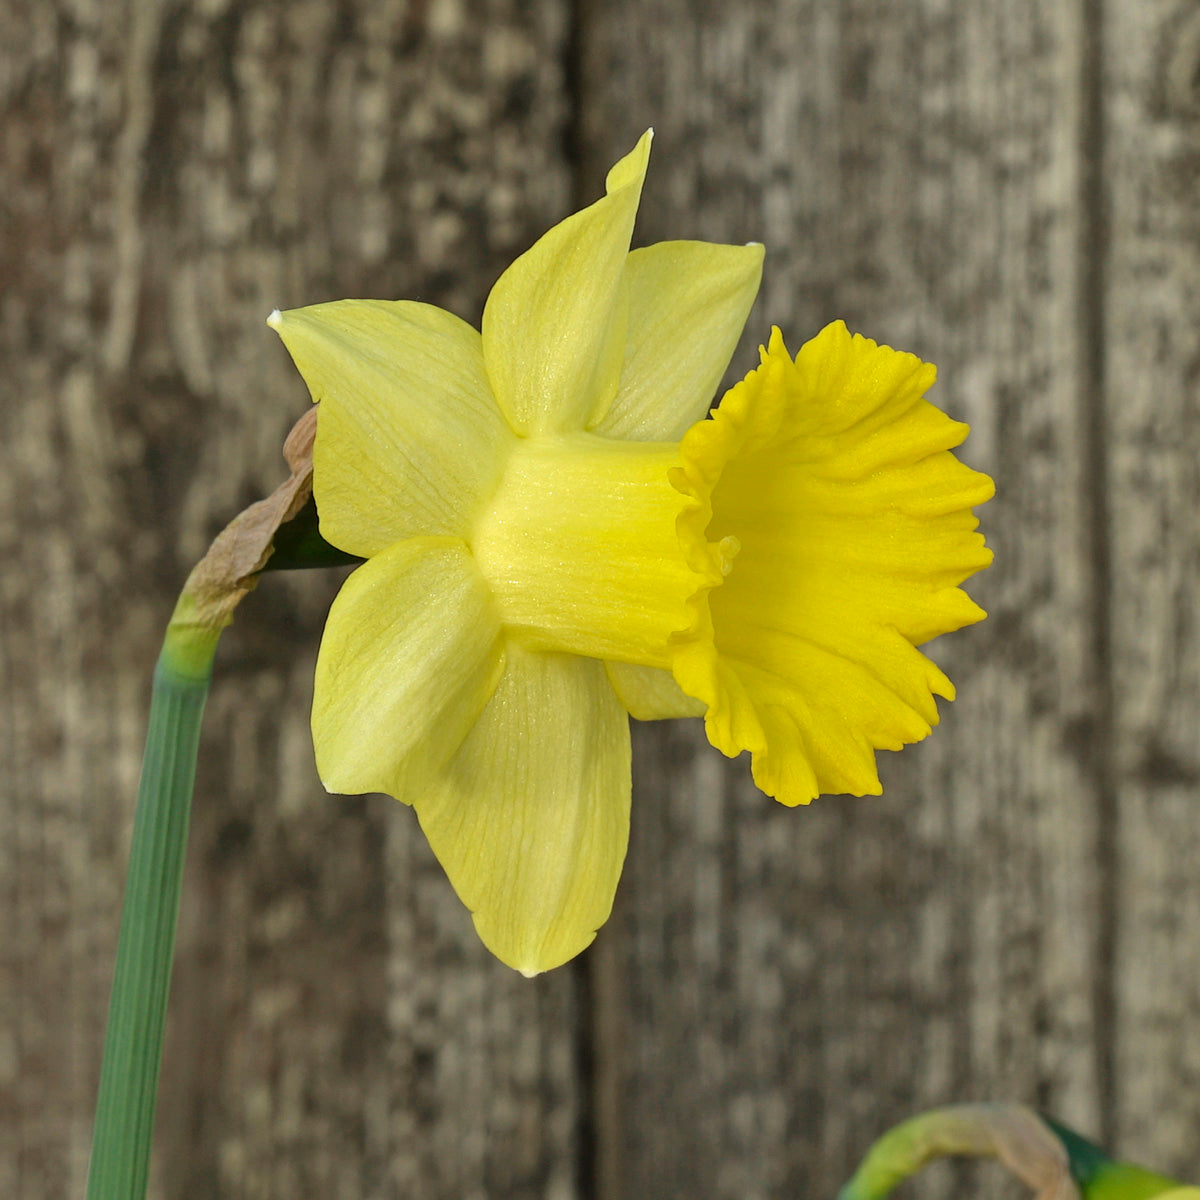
x=1016, y=1136
x=137, y=1010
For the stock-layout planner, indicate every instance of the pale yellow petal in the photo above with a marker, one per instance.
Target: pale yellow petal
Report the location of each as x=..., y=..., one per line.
x=531, y=817
x=688, y=302
x=651, y=694
x=410, y=655
x=554, y=325
x=408, y=436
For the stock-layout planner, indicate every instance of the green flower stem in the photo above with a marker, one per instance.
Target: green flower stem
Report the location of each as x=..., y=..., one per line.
x=138, y=1006
x=137, y=1009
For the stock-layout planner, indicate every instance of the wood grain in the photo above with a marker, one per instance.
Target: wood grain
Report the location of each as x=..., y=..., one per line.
x=1151, y=295
x=172, y=172
x=1006, y=189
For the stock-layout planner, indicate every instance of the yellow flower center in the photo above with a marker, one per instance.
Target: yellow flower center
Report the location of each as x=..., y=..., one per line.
x=580, y=548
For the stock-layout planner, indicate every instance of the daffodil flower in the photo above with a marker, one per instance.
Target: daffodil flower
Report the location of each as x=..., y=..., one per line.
x=557, y=538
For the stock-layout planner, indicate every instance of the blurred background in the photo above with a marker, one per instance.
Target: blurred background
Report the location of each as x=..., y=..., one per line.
x=1007, y=189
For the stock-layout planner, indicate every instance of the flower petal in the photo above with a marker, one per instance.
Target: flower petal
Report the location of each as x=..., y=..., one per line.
x=651, y=694
x=688, y=302
x=554, y=325
x=531, y=817
x=408, y=436
x=834, y=478
x=411, y=653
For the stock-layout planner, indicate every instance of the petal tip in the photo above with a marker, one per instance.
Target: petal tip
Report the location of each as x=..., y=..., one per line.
x=275, y=319
x=630, y=171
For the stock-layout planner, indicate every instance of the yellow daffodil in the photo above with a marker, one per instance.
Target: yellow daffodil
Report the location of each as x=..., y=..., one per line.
x=556, y=538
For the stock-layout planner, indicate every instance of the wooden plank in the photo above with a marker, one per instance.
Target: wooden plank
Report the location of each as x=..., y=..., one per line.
x=777, y=986
x=1151, y=54
x=170, y=174
x=780, y=986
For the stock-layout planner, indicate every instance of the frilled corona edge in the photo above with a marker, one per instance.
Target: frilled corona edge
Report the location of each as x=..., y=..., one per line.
x=826, y=487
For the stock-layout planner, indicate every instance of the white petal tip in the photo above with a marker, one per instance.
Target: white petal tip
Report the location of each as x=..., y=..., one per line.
x=529, y=972
x=759, y=245
x=275, y=318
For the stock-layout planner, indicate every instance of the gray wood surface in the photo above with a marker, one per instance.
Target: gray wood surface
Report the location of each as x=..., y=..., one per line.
x=1007, y=189
x=1151, y=389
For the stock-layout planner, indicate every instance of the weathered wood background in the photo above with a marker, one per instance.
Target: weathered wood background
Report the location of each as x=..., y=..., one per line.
x=1010, y=189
